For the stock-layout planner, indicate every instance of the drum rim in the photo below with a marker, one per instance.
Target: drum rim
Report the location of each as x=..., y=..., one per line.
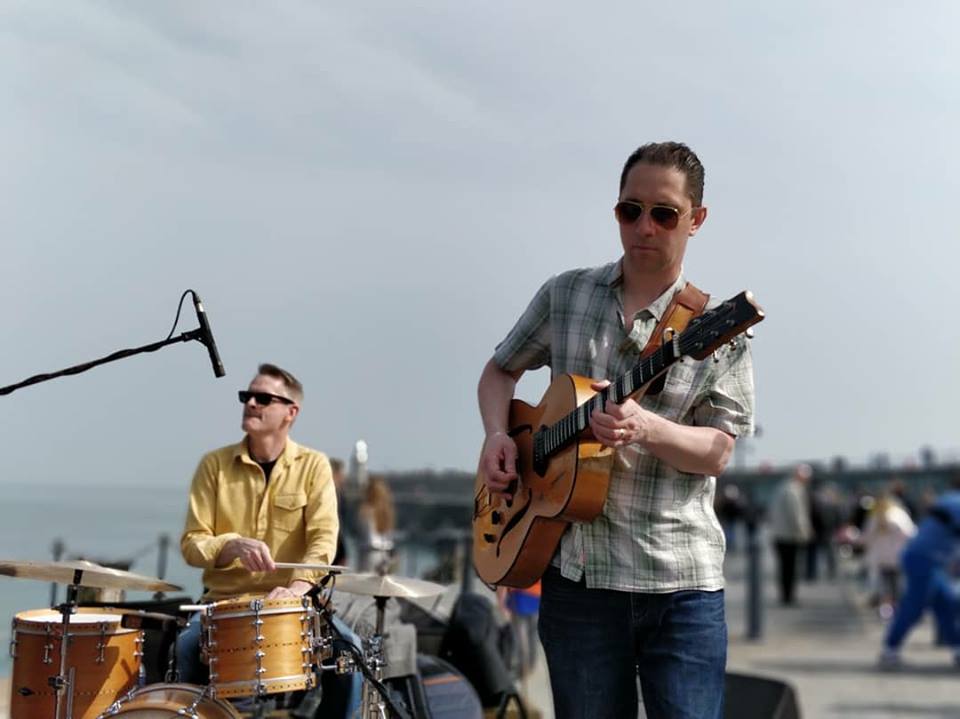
x=192, y=689
x=26, y=622
x=292, y=603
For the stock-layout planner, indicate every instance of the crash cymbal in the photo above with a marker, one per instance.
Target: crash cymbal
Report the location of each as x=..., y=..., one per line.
x=92, y=575
x=376, y=585
x=331, y=568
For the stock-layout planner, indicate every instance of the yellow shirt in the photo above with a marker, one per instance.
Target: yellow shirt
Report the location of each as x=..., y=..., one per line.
x=295, y=514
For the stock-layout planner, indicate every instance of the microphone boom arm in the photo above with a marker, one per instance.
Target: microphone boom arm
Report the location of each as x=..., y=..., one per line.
x=196, y=334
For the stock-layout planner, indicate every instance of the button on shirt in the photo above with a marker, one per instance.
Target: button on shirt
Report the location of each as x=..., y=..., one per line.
x=657, y=531
x=295, y=514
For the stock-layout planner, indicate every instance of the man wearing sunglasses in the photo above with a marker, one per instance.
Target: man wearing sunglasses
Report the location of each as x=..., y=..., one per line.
x=640, y=588
x=263, y=500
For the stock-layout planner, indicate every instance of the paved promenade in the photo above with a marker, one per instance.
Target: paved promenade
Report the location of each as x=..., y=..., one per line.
x=826, y=648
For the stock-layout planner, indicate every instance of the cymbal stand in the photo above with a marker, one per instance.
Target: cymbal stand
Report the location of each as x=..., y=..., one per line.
x=370, y=663
x=62, y=684
x=373, y=705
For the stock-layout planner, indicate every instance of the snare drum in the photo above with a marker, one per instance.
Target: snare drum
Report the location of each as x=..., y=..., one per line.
x=171, y=700
x=103, y=662
x=262, y=646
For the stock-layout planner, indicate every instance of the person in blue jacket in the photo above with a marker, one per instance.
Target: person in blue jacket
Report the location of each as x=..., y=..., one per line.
x=925, y=561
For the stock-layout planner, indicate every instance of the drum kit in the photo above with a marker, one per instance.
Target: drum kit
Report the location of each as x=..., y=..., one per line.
x=255, y=647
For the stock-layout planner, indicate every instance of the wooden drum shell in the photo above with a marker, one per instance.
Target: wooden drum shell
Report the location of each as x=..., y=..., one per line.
x=104, y=657
x=260, y=646
x=172, y=700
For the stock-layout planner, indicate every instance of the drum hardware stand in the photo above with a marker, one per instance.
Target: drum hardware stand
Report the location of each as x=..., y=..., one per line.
x=60, y=683
x=172, y=675
x=263, y=706
x=369, y=662
x=373, y=706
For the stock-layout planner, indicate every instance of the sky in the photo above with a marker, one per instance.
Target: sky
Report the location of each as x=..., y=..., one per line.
x=369, y=194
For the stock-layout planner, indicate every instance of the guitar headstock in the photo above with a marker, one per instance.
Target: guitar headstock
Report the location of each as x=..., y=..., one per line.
x=712, y=329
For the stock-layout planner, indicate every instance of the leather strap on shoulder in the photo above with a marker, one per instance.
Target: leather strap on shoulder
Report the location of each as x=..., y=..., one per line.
x=685, y=305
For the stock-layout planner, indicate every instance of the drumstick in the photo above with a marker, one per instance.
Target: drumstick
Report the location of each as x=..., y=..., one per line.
x=330, y=568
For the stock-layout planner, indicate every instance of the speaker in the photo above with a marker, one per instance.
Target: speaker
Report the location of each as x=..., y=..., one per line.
x=754, y=697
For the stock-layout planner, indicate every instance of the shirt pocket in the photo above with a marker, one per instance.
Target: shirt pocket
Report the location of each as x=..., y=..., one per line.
x=288, y=510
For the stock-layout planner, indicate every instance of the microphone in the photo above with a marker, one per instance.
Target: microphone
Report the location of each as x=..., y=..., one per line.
x=206, y=336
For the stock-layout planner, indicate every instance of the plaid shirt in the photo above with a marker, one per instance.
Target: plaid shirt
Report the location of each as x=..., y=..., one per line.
x=658, y=531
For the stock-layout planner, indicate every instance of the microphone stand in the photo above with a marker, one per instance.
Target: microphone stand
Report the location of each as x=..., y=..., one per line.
x=196, y=334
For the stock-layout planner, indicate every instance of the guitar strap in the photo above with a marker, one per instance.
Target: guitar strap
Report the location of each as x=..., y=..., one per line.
x=685, y=305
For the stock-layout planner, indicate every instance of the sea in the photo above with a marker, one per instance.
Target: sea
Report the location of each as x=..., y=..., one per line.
x=103, y=524
x=99, y=523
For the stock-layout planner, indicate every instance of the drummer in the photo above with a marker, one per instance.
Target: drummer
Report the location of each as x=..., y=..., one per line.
x=265, y=499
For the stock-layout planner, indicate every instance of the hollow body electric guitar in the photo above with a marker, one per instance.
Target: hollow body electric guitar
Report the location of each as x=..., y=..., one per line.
x=564, y=472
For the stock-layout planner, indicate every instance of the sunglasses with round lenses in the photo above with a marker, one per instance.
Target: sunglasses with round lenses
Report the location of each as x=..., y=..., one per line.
x=628, y=212
x=261, y=398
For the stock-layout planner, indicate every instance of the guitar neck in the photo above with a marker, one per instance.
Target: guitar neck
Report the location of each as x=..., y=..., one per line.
x=560, y=434
x=702, y=336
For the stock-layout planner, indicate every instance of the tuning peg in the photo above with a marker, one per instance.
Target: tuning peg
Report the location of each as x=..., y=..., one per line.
x=716, y=358
x=749, y=333
x=733, y=344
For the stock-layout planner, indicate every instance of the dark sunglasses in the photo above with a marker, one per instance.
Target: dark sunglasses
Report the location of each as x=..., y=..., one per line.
x=261, y=398
x=667, y=217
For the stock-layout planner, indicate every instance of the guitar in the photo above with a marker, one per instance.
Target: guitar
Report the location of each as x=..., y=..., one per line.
x=564, y=471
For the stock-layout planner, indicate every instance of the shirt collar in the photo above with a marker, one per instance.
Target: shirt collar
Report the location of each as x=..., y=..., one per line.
x=242, y=452
x=613, y=276
x=659, y=305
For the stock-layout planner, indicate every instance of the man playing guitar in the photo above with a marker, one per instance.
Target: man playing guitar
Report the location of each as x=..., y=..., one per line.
x=640, y=588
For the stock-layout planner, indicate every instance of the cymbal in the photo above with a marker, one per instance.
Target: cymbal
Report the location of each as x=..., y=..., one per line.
x=376, y=585
x=92, y=575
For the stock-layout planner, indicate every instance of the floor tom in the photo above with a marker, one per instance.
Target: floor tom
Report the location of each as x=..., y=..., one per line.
x=103, y=662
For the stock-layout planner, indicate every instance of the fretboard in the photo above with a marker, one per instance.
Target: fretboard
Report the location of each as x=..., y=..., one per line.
x=558, y=435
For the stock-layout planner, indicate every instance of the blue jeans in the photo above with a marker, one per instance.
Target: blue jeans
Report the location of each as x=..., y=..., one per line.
x=927, y=586
x=189, y=666
x=194, y=671
x=598, y=641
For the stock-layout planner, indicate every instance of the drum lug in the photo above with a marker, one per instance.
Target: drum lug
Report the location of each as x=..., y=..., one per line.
x=102, y=644
x=207, y=640
x=13, y=638
x=257, y=605
x=48, y=645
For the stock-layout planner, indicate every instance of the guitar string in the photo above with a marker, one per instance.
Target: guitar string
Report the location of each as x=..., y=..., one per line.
x=560, y=433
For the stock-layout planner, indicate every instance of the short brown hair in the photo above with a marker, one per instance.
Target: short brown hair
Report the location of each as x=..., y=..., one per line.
x=670, y=154
x=289, y=381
